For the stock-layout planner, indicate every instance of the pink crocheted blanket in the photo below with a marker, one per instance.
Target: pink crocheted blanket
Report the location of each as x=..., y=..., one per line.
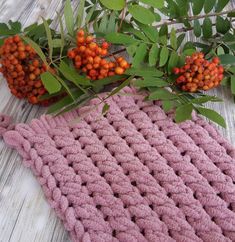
x=133, y=174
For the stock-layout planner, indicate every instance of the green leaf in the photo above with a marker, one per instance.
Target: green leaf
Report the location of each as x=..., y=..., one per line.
x=163, y=34
x=37, y=32
x=36, y=47
x=197, y=6
x=113, y=5
x=71, y=74
x=150, y=31
x=173, y=39
x=98, y=86
x=131, y=49
x=172, y=10
x=83, y=100
x=212, y=115
x=164, y=54
x=228, y=38
x=145, y=72
x=68, y=15
x=80, y=13
x=233, y=84
x=183, y=112
x=56, y=43
x=95, y=15
x=209, y=5
x=207, y=28
x=64, y=102
x=120, y=87
x=186, y=23
x=64, y=84
x=167, y=105
x=225, y=82
x=30, y=27
x=111, y=27
x=180, y=40
x=206, y=99
x=60, y=104
x=105, y=109
x=47, y=96
x=137, y=33
x=141, y=14
x=157, y=16
x=153, y=55
x=151, y=82
x=61, y=33
x=220, y=50
x=49, y=38
x=154, y=3
x=227, y=59
x=103, y=24
x=122, y=39
x=173, y=61
x=1, y=42
x=6, y=31
x=89, y=14
x=231, y=14
x=222, y=25
x=162, y=94
x=15, y=26
x=183, y=7
x=197, y=28
x=50, y=83
x=221, y=5
x=189, y=52
x=232, y=69
x=140, y=55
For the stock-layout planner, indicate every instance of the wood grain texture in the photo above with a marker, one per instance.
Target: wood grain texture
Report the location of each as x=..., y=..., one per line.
x=24, y=213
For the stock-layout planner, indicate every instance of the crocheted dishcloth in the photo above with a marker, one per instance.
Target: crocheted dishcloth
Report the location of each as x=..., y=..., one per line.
x=133, y=174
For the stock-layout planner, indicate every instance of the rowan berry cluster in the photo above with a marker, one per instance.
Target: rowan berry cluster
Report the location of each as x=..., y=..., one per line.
x=22, y=68
x=199, y=73
x=89, y=56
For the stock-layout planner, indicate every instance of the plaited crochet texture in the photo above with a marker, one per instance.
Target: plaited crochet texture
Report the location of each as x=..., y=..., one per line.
x=133, y=174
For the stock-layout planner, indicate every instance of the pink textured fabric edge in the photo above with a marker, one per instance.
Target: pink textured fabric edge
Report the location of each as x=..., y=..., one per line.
x=133, y=174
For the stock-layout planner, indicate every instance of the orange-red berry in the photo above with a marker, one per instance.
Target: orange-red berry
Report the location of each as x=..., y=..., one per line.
x=89, y=39
x=21, y=67
x=71, y=54
x=80, y=40
x=105, y=45
x=119, y=70
x=199, y=74
x=81, y=33
x=89, y=57
x=124, y=64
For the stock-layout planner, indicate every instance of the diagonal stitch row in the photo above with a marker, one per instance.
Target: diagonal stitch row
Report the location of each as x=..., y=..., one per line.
x=189, y=206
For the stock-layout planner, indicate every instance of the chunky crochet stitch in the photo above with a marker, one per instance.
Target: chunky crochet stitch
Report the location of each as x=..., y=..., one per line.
x=133, y=174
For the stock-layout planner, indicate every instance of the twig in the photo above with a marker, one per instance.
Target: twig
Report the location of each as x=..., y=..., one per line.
x=195, y=17
x=191, y=28
x=116, y=52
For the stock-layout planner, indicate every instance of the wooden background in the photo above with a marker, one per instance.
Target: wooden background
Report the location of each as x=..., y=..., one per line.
x=24, y=213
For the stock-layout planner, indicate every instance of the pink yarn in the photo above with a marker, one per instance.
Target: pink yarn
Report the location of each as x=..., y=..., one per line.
x=5, y=124
x=133, y=174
